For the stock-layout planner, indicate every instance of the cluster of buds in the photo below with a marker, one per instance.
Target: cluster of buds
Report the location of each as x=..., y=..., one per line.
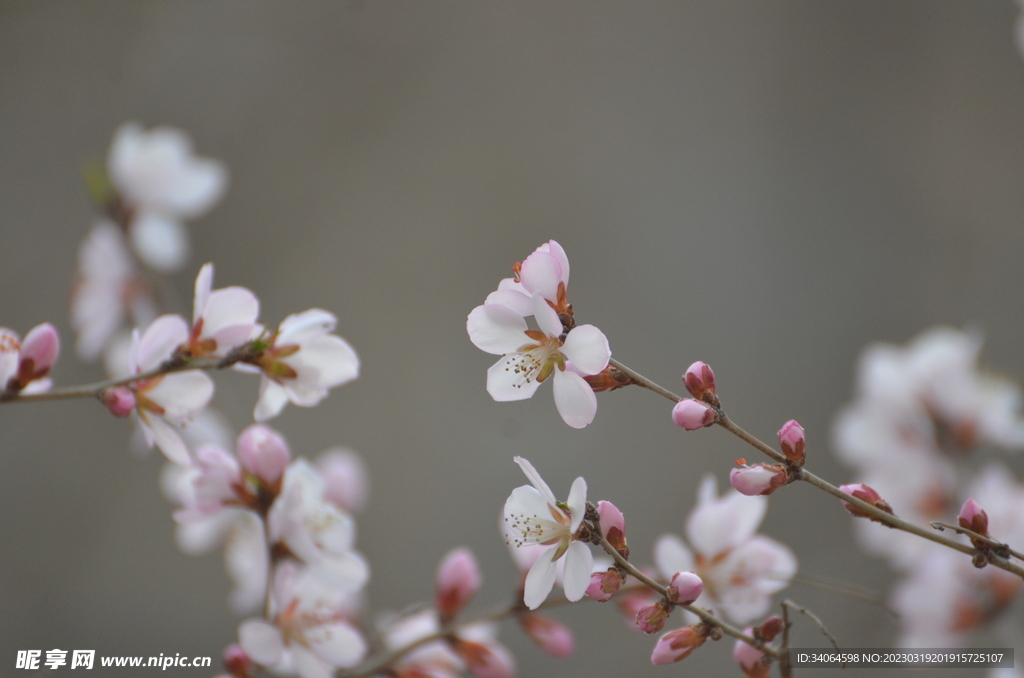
x=703, y=409
x=604, y=584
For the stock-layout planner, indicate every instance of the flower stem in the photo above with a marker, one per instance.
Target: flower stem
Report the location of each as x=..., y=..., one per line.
x=808, y=477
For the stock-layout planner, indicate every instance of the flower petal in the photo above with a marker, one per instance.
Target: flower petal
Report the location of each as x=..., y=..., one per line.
x=496, y=328
x=547, y=318
x=541, y=273
x=516, y=299
x=182, y=394
x=335, y=360
x=577, y=503
x=261, y=641
x=715, y=527
x=271, y=401
x=204, y=283
x=229, y=306
x=338, y=644
x=159, y=240
x=671, y=555
x=540, y=580
x=587, y=348
x=574, y=399
x=534, y=477
x=579, y=563
x=158, y=342
x=166, y=438
x=505, y=384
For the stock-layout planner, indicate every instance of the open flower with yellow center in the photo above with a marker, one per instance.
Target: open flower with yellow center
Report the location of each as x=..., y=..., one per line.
x=530, y=357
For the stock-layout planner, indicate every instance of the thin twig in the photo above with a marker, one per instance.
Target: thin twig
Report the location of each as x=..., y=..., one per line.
x=998, y=545
x=808, y=477
x=813, y=617
x=705, y=616
x=785, y=669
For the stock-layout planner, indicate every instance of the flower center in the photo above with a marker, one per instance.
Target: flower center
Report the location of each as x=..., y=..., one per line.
x=537, y=361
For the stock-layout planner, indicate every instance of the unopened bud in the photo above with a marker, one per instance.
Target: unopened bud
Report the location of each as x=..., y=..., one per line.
x=685, y=588
x=603, y=585
x=792, y=441
x=700, y=382
x=486, y=661
x=866, y=494
x=613, y=525
x=751, y=660
x=678, y=645
x=771, y=627
x=263, y=453
x=652, y=618
x=39, y=352
x=120, y=401
x=458, y=578
x=974, y=518
x=550, y=635
x=237, y=662
x=693, y=414
x=758, y=479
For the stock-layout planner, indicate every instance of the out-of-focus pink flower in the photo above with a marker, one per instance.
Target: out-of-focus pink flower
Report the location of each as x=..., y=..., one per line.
x=693, y=414
x=168, y=400
x=435, y=659
x=304, y=635
x=549, y=634
x=739, y=568
x=677, y=645
x=530, y=357
x=793, y=442
x=485, y=657
x=120, y=401
x=161, y=182
x=458, y=578
x=304, y=360
x=221, y=319
x=533, y=516
x=759, y=479
x=346, y=482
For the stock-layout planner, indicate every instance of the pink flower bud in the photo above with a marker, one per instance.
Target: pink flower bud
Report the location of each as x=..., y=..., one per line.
x=677, y=645
x=693, y=414
x=974, y=518
x=632, y=601
x=485, y=660
x=263, y=453
x=685, y=588
x=120, y=401
x=792, y=441
x=652, y=618
x=700, y=382
x=458, y=578
x=237, y=662
x=758, y=479
x=771, y=627
x=550, y=635
x=39, y=352
x=866, y=494
x=603, y=585
x=613, y=524
x=750, y=659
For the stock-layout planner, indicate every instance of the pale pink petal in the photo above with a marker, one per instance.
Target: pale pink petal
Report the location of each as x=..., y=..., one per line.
x=196, y=190
x=10, y=346
x=261, y=641
x=516, y=299
x=555, y=250
x=166, y=438
x=42, y=345
x=574, y=399
x=671, y=555
x=204, y=283
x=537, y=481
x=547, y=318
x=298, y=327
x=162, y=242
x=541, y=273
x=245, y=559
x=587, y=348
x=346, y=572
x=577, y=503
x=182, y=394
x=497, y=329
x=271, y=401
x=158, y=342
x=228, y=307
x=541, y=579
x=505, y=384
x=722, y=524
x=338, y=644
x=97, y=311
x=334, y=359
x=525, y=501
x=579, y=562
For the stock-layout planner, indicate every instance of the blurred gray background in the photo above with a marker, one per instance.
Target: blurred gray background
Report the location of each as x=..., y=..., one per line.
x=763, y=186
